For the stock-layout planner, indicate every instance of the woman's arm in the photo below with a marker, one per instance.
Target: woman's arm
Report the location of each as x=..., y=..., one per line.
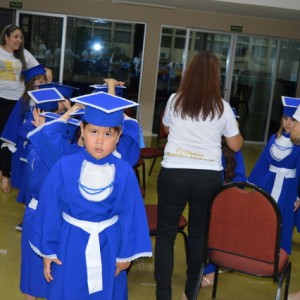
x=235, y=143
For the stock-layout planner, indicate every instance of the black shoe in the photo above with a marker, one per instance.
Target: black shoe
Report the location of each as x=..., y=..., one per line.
x=19, y=227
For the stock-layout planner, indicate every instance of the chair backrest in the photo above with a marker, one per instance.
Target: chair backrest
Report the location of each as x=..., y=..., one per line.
x=245, y=221
x=161, y=134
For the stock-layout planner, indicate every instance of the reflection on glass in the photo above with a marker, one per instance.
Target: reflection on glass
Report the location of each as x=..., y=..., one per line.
x=169, y=69
x=286, y=79
x=94, y=49
x=252, y=84
x=252, y=68
x=217, y=43
x=171, y=60
x=40, y=43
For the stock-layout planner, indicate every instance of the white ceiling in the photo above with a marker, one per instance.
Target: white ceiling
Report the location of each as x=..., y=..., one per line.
x=272, y=9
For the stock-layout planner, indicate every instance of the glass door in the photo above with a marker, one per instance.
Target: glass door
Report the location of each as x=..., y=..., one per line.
x=82, y=51
x=177, y=47
x=44, y=38
x=218, y=43
x=253, y=84
x=286, y=79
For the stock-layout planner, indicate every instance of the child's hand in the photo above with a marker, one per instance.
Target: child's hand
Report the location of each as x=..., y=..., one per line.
x=114, y=82
x=296, y=204
x=72, y=109
x=120, y=266
x=67, y=104
x=37, y=119
x=47, y=267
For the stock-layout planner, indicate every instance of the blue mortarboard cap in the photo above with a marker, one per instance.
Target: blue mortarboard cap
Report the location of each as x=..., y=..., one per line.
x=104, y=88
x=66, y=90
x=289, y=105
x=78, y=112
x=54, y=116
x=46, y=99
x=103, y=109
x=72, y=125
x=32, y=72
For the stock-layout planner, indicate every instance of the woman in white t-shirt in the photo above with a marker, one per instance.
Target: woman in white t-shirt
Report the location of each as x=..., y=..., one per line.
x=196, y=118
x=13, y=59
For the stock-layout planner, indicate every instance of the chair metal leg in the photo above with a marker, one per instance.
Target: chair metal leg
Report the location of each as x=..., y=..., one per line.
x=152, y=166
x=285, y=275
x=198, y=284
x=278, y=293
x=214, y=291
x=287, y=281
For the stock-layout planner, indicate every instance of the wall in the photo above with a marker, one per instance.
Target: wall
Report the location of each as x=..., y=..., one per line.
x=154, y=18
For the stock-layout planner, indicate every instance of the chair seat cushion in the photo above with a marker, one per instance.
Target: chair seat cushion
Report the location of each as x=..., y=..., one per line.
x=151, y=152
x=247, y=265
x=151, y=212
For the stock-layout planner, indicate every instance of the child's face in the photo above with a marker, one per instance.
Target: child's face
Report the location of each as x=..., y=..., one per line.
x=288, y=123
x=49, y=75
x=99, y=141
x=39, y=80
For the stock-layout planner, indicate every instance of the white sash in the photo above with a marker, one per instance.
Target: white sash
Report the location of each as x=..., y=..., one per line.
x=33, y=203
x=281, y=174
x=92, y=250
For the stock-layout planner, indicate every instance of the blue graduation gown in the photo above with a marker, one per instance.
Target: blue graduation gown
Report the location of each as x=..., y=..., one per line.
x=32, y=280
x=14, y=133
x=262, y=176
x=126, y=239
x=48, y=144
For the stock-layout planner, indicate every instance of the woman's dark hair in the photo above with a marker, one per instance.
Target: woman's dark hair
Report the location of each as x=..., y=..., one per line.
x=199, y=93
x=19, y=54
x=230, y=162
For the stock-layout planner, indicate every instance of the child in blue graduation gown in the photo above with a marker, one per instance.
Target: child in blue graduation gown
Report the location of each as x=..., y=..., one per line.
x=277, y=171
x=32, y=282
x=19, y=124
x=48, y=143
x=112, y=203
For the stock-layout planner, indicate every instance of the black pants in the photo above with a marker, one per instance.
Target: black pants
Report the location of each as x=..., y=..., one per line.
x=6, y=107
x=176, y=188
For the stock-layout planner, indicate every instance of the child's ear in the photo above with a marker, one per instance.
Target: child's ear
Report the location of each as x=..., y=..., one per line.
x=119, y=135
x=81, y=130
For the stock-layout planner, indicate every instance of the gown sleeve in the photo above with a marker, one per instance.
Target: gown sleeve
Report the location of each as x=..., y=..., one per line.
x=135, y=239
x=50, y=143
x=10, y=132
x=240, y=170
x=262, y=164
x=47, y=221
x=129, y=143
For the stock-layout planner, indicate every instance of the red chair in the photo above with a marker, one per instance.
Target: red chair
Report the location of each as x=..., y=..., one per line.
x=141, y=164
x=244, y=235
x=155, y=152
x=151, y=211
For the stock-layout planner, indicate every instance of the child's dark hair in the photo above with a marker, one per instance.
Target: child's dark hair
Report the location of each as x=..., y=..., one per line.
x=28, y=87
x=115, y=128
x=230, y=162
x=280, y=130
